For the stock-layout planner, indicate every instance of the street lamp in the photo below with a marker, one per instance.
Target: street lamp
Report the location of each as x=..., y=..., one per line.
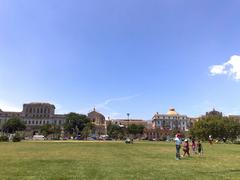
x=128, y=114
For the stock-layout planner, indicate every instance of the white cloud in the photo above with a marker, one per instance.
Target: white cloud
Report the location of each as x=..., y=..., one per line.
x=231, y=68
x=217, y=69
x=104, y=105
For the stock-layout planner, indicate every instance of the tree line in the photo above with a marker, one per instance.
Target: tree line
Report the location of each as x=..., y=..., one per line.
x=217, y=126
x=80, y=125
x=76, y=125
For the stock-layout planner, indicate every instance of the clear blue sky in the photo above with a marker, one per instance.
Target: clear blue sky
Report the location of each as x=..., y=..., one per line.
x=119, y=56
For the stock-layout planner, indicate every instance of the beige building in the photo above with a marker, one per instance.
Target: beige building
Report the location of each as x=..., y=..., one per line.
x=127, y=122
x=35, y=114
x=171, y=121
x=99, y=122
x=235, y=118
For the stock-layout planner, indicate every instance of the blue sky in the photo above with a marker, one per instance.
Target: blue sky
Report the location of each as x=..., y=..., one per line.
x=121, y=56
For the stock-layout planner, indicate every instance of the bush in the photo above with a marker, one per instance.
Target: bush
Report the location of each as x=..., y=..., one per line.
x=3, y=138
x=16, y=138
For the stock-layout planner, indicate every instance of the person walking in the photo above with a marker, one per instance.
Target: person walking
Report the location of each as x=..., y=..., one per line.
x=193, y=146
x=200, y=148
x=178, y=146
x=186, y=148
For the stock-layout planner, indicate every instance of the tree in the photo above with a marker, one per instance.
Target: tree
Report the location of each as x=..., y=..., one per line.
x=218, y=127
x=115, y=131
x=135, y=129
x=48, y=129
x=87, y=130
x=75, y=123
x=13, y=125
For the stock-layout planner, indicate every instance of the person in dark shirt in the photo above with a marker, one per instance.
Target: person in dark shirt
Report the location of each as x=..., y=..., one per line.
x=200, y=147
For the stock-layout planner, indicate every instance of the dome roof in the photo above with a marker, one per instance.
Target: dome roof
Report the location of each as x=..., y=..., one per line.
x=172, y=112
x=95, y=114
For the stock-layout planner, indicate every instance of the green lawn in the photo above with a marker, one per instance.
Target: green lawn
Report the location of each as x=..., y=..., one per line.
x=115, y=160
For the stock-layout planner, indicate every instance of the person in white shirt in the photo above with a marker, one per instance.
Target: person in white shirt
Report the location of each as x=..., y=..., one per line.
x=178, y=146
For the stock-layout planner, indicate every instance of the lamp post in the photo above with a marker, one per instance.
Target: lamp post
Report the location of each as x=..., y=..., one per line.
x=128, y=114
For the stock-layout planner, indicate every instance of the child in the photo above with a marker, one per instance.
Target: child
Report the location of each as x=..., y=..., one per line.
x=200, y=148
x=186, y=148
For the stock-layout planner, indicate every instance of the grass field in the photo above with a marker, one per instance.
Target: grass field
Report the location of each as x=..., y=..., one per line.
x=115, y=160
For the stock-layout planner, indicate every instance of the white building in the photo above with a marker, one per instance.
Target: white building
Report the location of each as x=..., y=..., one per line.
x=171, y=121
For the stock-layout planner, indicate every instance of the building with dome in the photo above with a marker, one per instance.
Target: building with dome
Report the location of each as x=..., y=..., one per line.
x=99, y=122
x=171, y=121
x=214, y=113
x=165, y=125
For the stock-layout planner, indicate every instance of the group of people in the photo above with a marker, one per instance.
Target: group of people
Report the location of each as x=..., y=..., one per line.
x=197, y=148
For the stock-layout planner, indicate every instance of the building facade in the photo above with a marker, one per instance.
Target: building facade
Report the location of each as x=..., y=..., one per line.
x=171, y=121
x=34, y=115
x=127, y=122
x=99, y=122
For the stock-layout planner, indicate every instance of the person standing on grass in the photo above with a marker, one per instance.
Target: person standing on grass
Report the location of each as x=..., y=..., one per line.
x=186, y=148
x=200, y=148
x=210, y=139
x=178, y=146
x=193, y=146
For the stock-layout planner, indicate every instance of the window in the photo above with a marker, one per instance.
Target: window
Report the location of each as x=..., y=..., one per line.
x=32, y=122
x=60, y=122
x=29, y=122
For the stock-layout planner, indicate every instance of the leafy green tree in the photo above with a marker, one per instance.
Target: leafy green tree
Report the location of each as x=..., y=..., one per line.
x=48, y=129
x=135, y=129
x=87, y=130
x=115, y=131
x=13, y=125
x=75, y=123
x=217, y=126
